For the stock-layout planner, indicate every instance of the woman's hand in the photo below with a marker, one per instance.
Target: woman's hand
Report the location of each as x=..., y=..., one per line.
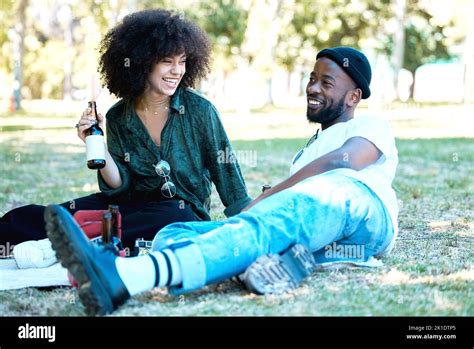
x=86, y=121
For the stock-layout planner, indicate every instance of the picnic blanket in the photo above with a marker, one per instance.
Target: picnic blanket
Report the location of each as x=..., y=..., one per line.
x=13, y=278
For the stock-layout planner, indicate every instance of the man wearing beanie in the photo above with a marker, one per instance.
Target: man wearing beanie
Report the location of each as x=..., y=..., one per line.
x=337, y=207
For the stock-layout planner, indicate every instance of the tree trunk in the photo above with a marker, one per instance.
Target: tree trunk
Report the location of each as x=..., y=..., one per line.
x=68, y=65
x=412, y=87
x=270, y=100
x=301, y=88
x=19, y=52
x=288, y=82
x=398, y=42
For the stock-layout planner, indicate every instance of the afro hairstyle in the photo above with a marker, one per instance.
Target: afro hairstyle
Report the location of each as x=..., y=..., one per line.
x=129, y=51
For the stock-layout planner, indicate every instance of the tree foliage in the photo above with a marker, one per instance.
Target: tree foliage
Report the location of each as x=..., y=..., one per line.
x=313, y=25
x=360, y=24
x=424, y=42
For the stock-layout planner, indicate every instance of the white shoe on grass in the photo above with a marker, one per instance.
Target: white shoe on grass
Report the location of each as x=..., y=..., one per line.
x=34, y=254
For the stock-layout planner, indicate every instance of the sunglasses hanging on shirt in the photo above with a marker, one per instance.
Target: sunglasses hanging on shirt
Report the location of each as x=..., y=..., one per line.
x=163, y=169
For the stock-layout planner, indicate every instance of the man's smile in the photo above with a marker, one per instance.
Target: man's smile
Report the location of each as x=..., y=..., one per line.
x=315, y=103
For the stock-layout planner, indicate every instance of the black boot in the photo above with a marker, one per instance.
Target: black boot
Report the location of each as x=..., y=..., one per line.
x=101, y=289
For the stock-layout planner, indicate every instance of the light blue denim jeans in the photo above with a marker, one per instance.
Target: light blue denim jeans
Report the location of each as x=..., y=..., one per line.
x=337, y=217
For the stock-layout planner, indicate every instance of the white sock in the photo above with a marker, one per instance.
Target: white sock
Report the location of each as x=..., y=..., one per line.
x=139, y=273
x=176, y=277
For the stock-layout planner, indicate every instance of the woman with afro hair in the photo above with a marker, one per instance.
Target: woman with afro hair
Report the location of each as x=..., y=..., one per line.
x=164, y=140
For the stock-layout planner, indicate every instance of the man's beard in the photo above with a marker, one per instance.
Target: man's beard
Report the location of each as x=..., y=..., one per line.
x=328, y=114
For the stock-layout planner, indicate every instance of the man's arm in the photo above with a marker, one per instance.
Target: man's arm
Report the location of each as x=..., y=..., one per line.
x=356, y=153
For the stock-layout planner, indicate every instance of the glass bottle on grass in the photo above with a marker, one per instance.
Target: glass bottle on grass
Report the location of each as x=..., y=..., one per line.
x=116, y=220
x=95, y=149
x=107, y=228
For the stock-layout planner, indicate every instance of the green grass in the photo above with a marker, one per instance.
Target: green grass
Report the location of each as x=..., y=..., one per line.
x=430, y=271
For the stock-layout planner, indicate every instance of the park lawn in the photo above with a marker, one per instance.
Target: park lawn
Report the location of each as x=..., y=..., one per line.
x=430, y=271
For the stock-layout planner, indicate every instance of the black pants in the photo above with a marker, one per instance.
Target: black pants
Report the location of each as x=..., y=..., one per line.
x=141, y=218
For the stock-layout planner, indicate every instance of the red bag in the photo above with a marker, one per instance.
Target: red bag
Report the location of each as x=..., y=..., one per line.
x=90, y=222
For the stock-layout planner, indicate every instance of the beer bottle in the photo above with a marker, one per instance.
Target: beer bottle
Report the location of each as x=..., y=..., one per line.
x=116, y=220
x=107, y=228
x=95, y=148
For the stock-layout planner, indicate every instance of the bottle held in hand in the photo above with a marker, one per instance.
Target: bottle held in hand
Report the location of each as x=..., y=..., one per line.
x=95, y=148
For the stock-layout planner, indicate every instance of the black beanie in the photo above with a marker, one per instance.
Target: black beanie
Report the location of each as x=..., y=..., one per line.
x=354, y=63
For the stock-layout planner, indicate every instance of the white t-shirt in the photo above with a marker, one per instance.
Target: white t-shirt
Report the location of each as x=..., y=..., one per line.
x=378, y=176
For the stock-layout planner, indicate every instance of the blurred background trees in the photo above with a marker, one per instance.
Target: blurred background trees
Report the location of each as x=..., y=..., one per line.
x=49, y=47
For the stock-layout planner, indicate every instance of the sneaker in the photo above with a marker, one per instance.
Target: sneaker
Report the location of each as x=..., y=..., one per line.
x=34, y=254
x=280, y=273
